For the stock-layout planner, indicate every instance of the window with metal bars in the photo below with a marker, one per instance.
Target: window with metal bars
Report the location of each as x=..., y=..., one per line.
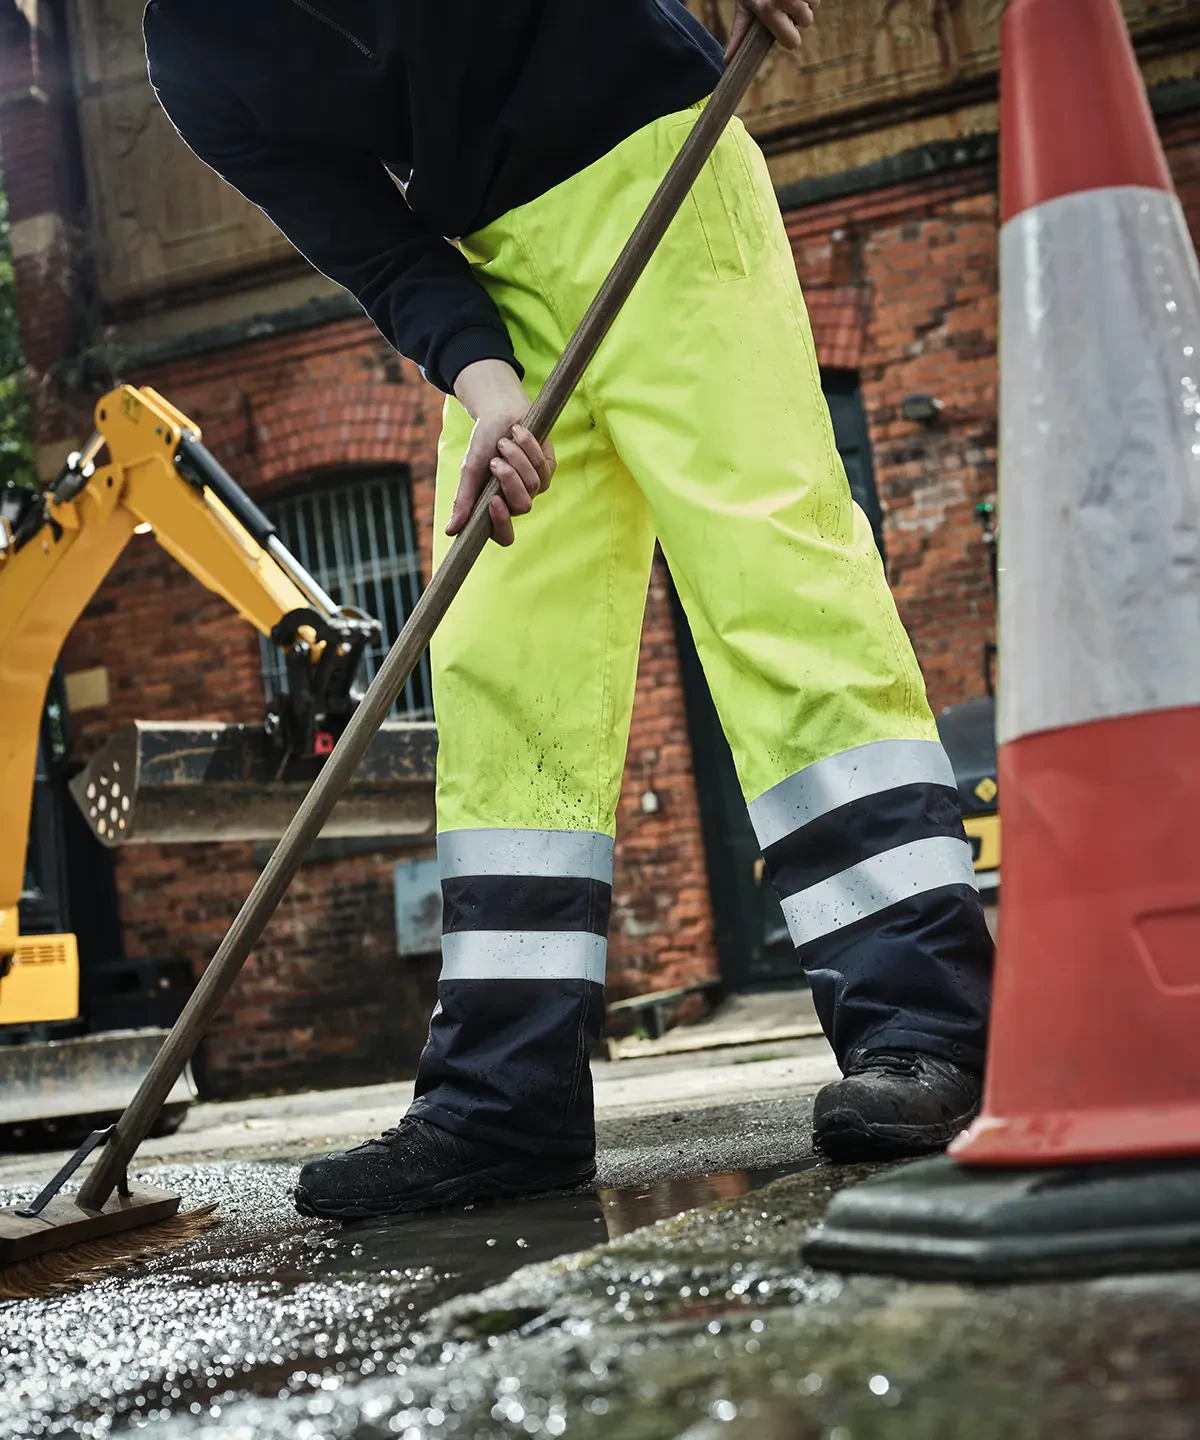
x=355, y=536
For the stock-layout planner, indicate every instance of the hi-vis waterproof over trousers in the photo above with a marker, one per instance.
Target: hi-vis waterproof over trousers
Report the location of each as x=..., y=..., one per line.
x=701, y=422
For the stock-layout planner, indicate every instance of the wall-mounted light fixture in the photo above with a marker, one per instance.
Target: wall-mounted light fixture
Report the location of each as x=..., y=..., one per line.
x=921, y=409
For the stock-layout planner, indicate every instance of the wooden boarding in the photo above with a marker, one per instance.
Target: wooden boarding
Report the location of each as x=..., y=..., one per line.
x=64, y=1222
x=653, y=1005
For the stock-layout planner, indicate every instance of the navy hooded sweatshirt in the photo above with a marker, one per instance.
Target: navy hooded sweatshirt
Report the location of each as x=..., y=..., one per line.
x=320, y=112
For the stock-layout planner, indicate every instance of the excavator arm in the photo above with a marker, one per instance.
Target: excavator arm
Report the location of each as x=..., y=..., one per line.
x=145, y=468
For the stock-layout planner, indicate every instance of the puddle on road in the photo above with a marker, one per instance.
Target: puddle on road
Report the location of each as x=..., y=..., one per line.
x=273, y=1305
x=633, y=1206
x=473, y=1248
x=451, y=1253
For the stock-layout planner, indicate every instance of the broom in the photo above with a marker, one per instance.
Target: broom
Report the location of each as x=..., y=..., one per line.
x=61, y=1242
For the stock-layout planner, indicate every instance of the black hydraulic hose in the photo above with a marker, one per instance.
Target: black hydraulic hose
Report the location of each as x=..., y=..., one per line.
x=30, y=526
x=198, y=466
x=202, y=468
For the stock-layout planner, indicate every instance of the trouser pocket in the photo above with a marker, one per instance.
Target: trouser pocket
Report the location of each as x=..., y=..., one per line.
x=722, y=203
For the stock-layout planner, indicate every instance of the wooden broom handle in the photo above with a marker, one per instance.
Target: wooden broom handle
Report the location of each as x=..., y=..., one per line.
x=376, y=705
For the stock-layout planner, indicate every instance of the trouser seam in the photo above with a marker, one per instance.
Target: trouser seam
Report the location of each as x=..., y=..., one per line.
x=603, y=726
x=580, y=1055
x=581, y=386
x=905, y=665
x=830, y=490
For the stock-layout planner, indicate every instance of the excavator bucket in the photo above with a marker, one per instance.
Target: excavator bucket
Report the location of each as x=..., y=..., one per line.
x=175, y=782
x=67, y=1087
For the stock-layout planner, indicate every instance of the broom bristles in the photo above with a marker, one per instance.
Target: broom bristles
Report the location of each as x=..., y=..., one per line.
x=57, y=1272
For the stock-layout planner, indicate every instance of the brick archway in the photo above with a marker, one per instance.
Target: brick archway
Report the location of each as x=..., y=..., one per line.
x=316, y=429
x=838, y=316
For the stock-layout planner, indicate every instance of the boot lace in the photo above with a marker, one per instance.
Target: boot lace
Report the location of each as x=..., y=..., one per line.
x=421, y=1139
x=888, y=1062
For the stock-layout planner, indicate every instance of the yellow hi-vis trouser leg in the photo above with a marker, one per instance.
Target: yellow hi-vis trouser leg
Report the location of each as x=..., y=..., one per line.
x=702, y=422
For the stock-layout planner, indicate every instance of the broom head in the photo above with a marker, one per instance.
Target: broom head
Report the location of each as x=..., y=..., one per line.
x=66, y=1245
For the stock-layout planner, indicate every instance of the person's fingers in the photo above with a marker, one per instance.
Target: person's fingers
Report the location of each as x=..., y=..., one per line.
x=783, y=18
x=502, y=526
x=522, y=463
x=522, y=467
x=741, y=23
x=470, y=483
x=540, y=456
x=781, y=25
x=517, y=498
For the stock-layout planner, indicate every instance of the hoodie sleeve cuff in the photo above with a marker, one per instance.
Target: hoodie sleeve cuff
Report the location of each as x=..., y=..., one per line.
x=464, y=347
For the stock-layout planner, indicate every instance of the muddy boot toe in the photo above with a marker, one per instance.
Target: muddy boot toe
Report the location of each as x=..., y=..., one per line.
x=893, y=1104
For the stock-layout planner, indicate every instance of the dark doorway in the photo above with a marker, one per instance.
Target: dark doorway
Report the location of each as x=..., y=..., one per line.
x=752, y=937
x=44, y=907
x=70, y=879
x=854, y=445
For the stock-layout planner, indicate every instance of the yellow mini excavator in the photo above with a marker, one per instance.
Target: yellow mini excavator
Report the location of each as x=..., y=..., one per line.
x=146, y=470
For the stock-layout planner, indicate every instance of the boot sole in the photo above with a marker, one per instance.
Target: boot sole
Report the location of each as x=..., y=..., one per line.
x=843, y=1136
x=507, y=1184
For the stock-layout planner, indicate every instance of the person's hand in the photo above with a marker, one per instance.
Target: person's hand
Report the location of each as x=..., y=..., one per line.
x=783, y=18
x=495, y=399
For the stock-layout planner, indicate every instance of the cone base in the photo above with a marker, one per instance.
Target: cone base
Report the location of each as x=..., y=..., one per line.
x=1114, y=1133
x=934, y=1220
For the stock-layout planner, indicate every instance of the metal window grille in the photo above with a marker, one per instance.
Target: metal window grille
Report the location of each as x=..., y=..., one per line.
x=357, y=540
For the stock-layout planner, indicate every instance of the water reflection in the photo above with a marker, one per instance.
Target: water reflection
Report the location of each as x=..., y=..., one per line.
x=470, y=1249
x=631, y=1208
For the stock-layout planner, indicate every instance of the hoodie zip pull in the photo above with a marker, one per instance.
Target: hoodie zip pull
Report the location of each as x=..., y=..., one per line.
x=333, y=25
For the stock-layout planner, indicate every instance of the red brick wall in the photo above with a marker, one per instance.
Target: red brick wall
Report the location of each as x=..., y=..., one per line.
x=325, y=1000
x=662, y=932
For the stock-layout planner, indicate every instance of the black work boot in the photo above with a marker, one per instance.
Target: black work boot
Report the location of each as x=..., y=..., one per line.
x=894, y=1103
x=419, y=1166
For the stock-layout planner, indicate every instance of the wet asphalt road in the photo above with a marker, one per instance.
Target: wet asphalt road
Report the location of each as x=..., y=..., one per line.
x=702, y=1326
x=272, y=1305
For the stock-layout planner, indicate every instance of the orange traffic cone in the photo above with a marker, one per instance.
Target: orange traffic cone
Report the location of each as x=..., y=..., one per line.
x=1095, y=1045
x=1095, y=1051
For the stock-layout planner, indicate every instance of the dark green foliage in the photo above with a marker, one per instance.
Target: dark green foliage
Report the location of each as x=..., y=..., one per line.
x=16, y=425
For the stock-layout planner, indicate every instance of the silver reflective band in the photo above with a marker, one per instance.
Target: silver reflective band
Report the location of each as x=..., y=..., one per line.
x=1099, y=461
x=839, y=779
x=523, y=955
x=872, y=885
x=570, y=854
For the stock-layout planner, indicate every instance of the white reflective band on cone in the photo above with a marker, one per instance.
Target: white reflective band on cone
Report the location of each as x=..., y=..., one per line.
x=872, y=885
x=569, y=854
x=523, y=955
x=1099, y=461
x=851, y=775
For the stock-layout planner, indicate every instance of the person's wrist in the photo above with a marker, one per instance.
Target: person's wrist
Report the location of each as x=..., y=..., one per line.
x=486, y=385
